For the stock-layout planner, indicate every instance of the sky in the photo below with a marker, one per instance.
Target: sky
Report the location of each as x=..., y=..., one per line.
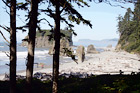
x=102, y=16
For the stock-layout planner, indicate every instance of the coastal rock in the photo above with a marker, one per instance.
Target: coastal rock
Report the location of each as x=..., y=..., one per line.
x=109, y=46
x=80, y=52
x=42, y=39
x=118, y=47
x=91, y=49
x=64, y=44
x=41, y=42
x=51, y=50
x=42, y=76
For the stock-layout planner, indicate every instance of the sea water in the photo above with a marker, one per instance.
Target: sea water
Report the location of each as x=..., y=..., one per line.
x=41, y=57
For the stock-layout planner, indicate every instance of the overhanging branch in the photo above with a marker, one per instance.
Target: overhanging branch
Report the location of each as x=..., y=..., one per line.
x=6, y=3
x=4, y=37
x=5, y=28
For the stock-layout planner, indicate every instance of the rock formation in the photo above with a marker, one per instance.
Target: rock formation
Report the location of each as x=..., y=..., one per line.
x=80, y=52
x=41, y=42
x=91, y=49
x=109, y=46
x=42, y=39
x=64, y=44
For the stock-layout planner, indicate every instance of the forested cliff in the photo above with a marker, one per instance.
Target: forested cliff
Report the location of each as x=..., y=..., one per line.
x=129, y=30
x=44, y=38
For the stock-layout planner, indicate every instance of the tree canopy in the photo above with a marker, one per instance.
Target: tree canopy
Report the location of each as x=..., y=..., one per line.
x=129, y=29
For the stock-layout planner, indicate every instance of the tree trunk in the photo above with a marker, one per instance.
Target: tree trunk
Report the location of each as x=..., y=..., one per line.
x=57, y=49
x=13, y=46
x=31, y=44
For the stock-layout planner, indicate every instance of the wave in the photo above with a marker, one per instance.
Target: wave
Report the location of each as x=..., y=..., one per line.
x=23, y=55
x=1, y=46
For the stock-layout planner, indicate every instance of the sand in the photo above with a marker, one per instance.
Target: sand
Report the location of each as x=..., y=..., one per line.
x=107, y=62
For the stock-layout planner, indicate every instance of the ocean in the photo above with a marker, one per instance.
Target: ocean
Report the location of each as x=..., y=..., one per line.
x=41, y=57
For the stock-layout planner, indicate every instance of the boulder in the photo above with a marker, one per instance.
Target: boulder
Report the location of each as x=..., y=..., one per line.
x=109, y=46
x=91, y=49
x=64, y=43
x=80, y=52
x=118, y=47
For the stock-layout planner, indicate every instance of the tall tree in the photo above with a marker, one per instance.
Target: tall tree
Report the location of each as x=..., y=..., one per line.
x=31, y=43
x=56, y=47
x=63, y=7
x=13, y=46
x=137, y=11
x=129, y=29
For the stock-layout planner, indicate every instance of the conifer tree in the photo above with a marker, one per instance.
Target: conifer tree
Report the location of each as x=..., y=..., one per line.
x=13, y=46
x=63, y=7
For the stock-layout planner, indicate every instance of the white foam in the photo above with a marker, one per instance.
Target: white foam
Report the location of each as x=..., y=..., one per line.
x=3, y=56
x=1, y=46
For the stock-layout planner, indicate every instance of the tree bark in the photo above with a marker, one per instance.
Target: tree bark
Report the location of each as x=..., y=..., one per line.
x=13, y=47
x=57, y=49
x=31, y=44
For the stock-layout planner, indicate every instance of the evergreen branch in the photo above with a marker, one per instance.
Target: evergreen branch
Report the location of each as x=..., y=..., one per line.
x=81, y=1
x=70, y=25
x=6, y=3
x=6, y=11
x=7, y=54
x=20, y=18
x=22, y=6
x=5, y=28
x=46, y=21
x=64, y=6
x=51, y=14
x=4, y=37
x=108, y=2
x=70, y=54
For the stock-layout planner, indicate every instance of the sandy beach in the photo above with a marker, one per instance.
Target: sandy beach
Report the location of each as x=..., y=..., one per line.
x=107, y=62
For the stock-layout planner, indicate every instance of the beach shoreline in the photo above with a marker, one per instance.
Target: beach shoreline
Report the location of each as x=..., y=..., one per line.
x=107, y=62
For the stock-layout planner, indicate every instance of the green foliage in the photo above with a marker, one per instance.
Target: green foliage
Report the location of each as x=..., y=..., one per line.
x=129, y=29
x=43, y=33
x=49, y=33
x=93, y=84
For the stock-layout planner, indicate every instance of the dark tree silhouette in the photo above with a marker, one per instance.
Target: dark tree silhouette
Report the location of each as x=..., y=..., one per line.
x=62, y=7
x=13, y=46
x=31, y=43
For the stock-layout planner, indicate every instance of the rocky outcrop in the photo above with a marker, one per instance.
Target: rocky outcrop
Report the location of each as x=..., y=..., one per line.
x=80, y=52
x=118, y=47
x=51, y=50
x=41, y=42
x=91, y=49
x=42, y=38
x=109, y=46
x=64, y=44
